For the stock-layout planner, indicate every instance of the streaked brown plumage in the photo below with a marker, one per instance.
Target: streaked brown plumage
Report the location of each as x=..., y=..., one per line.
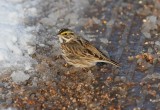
x=79, y=52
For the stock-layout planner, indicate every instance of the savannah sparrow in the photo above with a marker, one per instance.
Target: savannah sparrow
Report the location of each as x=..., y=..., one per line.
x=79, y=52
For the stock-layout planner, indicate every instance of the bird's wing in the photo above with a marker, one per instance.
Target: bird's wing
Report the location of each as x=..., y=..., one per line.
x=83, y=48
x=93, y=50
x=99, y=55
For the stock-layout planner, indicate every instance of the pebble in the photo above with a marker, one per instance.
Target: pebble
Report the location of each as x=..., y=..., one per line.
x=157, y=43
x=150, y=50
x=152, y=19
x=147, y=34
x=19, y=76
x=120, y=78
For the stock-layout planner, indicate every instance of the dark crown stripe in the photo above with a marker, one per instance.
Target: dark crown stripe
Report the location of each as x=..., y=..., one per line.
x=63, y=30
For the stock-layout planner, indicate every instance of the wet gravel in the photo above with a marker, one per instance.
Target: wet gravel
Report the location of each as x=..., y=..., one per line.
x=128, y=30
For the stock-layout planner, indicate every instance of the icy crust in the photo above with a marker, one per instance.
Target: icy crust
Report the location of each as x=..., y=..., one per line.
x=15, y=38
x=64, y=13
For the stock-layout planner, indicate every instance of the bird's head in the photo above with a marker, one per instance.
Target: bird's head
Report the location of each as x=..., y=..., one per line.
x=66, y=35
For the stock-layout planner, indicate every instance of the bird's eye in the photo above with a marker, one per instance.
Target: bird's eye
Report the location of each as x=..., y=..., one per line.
x=65, y=33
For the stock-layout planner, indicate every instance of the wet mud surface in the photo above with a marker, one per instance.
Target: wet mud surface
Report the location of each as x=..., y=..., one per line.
x=128, y=30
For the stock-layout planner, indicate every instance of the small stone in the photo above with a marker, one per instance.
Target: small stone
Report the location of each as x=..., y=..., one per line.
x=19, y=76
x=150, y=50
x=139, y=61
x=152, y=19
x=9, y=101
x=110, y=23
x=157, y=43
x=104, y=40
x=120, y=78
x=147, y=35
x=96, y=20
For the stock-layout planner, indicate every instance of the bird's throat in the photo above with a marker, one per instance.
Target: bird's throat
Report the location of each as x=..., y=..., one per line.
x=61, y=40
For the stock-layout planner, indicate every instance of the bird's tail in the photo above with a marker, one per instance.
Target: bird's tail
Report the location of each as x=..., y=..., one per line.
x=111, y=62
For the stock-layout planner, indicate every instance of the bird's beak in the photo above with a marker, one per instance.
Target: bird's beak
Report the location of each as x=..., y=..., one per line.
x=58, y=36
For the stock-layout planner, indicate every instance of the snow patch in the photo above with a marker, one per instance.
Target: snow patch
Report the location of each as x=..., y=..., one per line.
x=16, y=40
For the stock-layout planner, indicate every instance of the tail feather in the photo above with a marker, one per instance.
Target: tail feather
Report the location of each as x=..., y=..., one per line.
x=114, y=63
x=111, y=62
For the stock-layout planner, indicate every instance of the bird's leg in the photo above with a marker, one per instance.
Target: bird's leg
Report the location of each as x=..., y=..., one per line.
x=66, y=65
x=85, y=69
x=58, y=56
